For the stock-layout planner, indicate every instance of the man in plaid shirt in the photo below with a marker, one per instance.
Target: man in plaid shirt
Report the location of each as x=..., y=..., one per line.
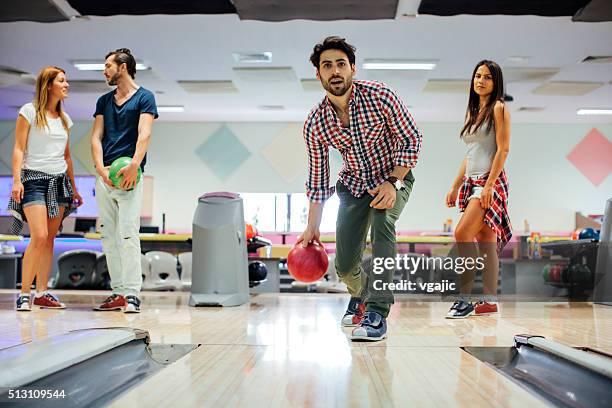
x=380, y=143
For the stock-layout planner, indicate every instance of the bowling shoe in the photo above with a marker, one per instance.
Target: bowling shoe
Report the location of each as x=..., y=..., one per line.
x=460, y=310
x=132, y=304
x=23, y=303
x=354, y=313
x=113, y=302
x=48, y=301
x=485, y=308
x=373, y=327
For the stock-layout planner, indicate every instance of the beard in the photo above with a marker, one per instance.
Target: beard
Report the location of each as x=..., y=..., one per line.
x=113, y=80
x=338, y=89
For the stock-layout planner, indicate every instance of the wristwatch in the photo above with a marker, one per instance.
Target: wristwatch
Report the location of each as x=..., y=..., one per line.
x=395, y=182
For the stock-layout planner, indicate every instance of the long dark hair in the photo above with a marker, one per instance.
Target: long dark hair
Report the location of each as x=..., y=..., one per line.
x=473, y=121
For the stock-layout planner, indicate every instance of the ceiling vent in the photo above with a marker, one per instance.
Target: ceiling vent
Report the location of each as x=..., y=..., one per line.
x=567, y=88
x=260, y=75
x=11, y=76
x=208, y=86
x=531, y=109
x=447, y=85
x=598, y=59
x=271, y=107
x=514, y=74
x=88, y=86
x=253, y=58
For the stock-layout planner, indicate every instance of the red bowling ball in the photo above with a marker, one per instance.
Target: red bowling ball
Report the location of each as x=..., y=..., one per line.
x=307, y=264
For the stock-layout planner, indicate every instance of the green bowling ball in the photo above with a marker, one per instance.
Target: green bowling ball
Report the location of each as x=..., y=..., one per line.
x=117, y=165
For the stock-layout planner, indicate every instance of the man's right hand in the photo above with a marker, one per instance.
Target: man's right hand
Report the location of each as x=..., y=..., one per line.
x=104, y=173
x=309, y=235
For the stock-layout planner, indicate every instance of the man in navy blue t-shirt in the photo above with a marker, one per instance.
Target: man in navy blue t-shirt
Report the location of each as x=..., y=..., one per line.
x=122, y=127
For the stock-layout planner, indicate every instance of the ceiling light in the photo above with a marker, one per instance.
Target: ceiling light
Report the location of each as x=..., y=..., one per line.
x=399, y=64
x=171, y=109
x=594, y=111
x=99, y=66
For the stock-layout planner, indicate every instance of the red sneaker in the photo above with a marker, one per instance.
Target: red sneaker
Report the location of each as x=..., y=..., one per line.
x=113, y=302
x=48, y=301
x=485, y=308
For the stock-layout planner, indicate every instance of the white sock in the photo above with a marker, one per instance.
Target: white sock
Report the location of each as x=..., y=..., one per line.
x=40, y=294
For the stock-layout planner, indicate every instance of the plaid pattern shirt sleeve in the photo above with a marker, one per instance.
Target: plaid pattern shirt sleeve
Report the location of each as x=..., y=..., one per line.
x=407, y=135
x=318, y=189
x=496, y=216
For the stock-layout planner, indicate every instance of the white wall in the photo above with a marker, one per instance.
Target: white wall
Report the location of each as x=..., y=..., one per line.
x=546, y=189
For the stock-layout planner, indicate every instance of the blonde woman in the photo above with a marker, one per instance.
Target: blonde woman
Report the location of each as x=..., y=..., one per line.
x=43, y=192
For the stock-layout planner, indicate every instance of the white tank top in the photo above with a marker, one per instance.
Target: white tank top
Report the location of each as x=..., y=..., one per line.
x=46, y=145
x=481, y=148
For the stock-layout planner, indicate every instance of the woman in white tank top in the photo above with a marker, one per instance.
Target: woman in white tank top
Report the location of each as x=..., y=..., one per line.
x=43, y=190
x=481, y=189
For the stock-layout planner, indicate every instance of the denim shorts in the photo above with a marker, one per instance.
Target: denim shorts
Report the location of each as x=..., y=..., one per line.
x=35, y=192
x=476, y=192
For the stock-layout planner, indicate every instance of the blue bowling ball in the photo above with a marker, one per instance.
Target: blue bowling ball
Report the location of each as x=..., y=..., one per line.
x=588, y=233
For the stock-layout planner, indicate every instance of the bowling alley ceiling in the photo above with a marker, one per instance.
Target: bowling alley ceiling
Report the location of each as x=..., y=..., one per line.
x=247, y=60
x=324, y=10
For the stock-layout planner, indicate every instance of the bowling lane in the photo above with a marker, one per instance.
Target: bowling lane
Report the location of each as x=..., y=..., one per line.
x=244, y=375
x=289, y=320
x=294, y=342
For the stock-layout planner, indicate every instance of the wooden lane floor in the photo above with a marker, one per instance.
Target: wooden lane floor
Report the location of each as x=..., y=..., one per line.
x=288, y=349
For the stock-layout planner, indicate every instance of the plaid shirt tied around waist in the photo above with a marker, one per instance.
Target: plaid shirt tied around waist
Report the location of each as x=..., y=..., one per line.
x=381, y=135
x=496, y=216
x=55, y=180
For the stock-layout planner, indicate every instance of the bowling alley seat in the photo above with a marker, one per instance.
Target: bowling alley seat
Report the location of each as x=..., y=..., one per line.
x=162, y=272
x=75, y=269
x=101, y=275
x=102, y=279
x=184, y=259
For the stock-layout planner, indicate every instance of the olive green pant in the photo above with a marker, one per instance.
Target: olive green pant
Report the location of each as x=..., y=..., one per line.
x=355, y=218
